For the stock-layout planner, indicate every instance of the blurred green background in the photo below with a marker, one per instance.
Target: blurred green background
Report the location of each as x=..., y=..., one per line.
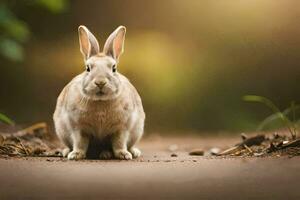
x=191, y=60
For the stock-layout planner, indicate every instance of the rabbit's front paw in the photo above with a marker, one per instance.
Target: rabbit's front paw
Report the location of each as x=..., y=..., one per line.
x=76, y=155
x=135, y=152
x=65, y=152
x=123, y=154
x=105, y=155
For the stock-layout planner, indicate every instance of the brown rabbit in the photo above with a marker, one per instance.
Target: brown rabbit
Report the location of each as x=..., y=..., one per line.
x=100, y=102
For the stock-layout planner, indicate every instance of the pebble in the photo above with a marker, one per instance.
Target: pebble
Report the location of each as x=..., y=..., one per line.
x=215, y=151
x=174, y=155
x=173, y=147
x=197, y=152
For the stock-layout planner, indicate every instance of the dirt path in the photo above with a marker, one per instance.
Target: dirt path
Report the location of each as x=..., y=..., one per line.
x=156, y=175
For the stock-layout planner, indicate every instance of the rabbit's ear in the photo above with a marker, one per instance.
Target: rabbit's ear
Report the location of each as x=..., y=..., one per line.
x=88, y=43
x=114, y=45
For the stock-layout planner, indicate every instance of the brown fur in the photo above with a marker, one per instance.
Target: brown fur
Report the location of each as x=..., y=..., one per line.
x=118, y=113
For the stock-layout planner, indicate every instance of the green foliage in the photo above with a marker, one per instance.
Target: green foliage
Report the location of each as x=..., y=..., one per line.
x=6, y=119
x=274, y=117
x=15, y=32
x=55, y=6
x=11, y=49
x=283, y=116
x=13, y=27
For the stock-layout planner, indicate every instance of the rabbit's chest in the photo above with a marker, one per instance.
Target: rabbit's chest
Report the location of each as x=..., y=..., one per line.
x=104, y=120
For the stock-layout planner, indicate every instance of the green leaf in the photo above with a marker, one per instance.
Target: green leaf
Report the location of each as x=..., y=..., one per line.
x=264, y=100
x=55, y=6
x=13, y=27
x=5, y=14
x=17, y=30
x=11, y=50
x=5, y=119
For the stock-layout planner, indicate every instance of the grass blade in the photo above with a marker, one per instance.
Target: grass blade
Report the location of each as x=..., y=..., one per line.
x=6, y=119
x=275, y=116
x=275, y=109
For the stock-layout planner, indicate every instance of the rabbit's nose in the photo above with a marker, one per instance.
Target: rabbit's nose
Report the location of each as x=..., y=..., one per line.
x=100, y=82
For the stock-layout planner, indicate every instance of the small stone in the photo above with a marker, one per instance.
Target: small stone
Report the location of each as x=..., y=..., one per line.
x=215, y=151
x=173, y=147
x=174, y=155
x=197, y=152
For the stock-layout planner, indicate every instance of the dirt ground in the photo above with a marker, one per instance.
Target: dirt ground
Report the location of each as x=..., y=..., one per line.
x=156, y=175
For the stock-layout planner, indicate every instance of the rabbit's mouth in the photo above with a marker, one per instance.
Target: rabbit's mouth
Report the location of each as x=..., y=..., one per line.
x=105, y=93
x=100, y=93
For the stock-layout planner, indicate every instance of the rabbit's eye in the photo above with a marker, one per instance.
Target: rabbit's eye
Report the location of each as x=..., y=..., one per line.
x=88, y=68
x=114, y=68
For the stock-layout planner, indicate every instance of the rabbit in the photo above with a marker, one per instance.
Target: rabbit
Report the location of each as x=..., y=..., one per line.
x=100, y=102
